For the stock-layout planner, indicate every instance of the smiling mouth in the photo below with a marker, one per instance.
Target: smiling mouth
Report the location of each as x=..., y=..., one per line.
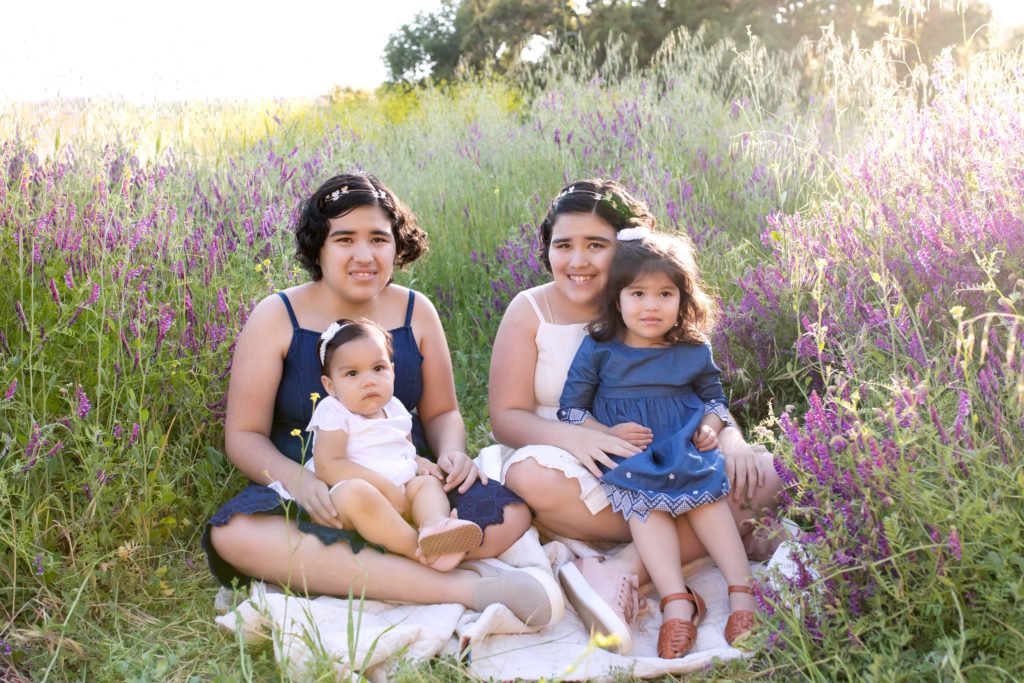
x=363, y=274
x=580, y=279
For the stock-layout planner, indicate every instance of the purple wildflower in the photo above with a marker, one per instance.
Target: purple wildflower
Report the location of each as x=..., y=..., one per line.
x=135, y=433
x=21, y=314
x=10, y=390
x=38, y=564
x=954, y=543
x=101, y=476
x=54, y=294
x=84, y=406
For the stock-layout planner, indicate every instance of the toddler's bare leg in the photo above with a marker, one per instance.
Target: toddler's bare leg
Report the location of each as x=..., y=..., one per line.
x=715, y=526
x=658, y=544
x=364, y=508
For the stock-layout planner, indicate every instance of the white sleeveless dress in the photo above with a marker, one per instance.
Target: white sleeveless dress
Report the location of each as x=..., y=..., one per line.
x=556, y=347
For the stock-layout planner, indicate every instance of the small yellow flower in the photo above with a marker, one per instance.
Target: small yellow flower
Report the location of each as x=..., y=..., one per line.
x=296, y=432
x=314, y=397
x=612, y=640
x=957, y=312
x=266, y=262
x=259, y=267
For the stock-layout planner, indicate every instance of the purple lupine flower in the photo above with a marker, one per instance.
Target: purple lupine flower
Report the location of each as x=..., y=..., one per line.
x=10, y=390
x=101, y=476
x=54, y=294
x=94, y=295
x=954, y=543
x=38, y=563
x=84, y=406
x=135, y=433
x=69, y=280
x=21, y=314
x=57, y=448
x=117, y=431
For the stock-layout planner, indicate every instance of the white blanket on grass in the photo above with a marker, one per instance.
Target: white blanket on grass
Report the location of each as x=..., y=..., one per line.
x=310, y=633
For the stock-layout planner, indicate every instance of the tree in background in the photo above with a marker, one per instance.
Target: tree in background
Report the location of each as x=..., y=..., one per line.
x=492, y=33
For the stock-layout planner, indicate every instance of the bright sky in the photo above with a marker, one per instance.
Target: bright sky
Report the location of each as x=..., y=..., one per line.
x=188, y=49
x=185, y=49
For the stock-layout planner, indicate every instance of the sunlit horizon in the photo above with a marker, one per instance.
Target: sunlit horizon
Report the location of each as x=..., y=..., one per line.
x=203, y=50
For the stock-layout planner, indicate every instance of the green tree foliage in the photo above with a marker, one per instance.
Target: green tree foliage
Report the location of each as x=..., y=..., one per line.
x=492, y=33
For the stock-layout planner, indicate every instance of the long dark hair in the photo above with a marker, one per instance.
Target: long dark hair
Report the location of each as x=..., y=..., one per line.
x=342, y=194
x=658, y=253
x=606, y=199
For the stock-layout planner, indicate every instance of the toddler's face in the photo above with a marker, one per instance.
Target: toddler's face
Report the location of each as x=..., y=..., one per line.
x=650, y=308
x=361, y=376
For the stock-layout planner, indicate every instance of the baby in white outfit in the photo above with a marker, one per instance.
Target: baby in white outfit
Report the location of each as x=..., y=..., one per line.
x=363, y=450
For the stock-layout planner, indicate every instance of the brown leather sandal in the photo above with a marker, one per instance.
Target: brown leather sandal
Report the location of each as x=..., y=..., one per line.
x=741, y=622
x=677, y=636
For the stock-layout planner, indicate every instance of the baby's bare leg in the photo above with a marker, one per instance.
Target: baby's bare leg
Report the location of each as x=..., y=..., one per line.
x=364, y=508
x=428, y=503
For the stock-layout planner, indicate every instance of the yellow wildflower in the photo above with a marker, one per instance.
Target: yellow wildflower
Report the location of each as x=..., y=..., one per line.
x=314, y=397
x=296, y=432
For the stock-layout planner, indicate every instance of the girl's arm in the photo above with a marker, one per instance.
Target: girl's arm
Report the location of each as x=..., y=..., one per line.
x=332, y=465
x=439, y=408
x=511, y=397
x=256, y=369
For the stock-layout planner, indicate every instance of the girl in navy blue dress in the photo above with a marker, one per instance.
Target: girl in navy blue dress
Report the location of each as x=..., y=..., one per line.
x=647, y=365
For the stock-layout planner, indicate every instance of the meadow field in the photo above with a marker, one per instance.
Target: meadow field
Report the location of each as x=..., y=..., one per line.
x=861, y=224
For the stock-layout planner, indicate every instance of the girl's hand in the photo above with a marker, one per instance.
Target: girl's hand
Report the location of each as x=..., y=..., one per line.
x=590, y=446
x=634, y=433
x=705, y=438
x=747, y=467
x=312, y=495
x=462, y=471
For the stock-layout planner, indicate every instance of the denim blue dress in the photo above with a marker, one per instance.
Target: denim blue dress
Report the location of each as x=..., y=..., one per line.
x=293, y=409
x=668, y=390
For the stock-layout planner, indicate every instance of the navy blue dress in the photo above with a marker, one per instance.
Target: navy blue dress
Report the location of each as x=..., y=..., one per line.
x=668, y=390
x=293, y=409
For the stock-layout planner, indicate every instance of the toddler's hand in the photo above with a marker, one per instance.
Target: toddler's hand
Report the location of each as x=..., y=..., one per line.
x=706, y=438
x=636, y=434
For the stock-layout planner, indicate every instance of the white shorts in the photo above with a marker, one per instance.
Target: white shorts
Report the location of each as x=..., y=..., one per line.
x=495, y=461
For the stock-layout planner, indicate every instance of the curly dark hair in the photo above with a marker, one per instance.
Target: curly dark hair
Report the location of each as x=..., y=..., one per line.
x=351, y=330
x=337, y=197
x=606, y=199
x=658, y=253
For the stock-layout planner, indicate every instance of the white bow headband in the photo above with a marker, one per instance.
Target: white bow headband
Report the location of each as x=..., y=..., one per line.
x=325, y=338
x=630, y=234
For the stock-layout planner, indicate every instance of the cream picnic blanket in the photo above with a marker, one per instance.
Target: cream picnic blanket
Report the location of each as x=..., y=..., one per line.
x=494, y=643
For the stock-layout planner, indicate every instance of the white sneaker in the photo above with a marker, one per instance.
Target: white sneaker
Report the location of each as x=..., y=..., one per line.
x=532, y=595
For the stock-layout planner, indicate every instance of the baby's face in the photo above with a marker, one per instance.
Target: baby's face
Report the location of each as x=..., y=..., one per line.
x=362, y=376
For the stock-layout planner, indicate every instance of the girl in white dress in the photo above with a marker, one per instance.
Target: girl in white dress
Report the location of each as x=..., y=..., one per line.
x=362, y=449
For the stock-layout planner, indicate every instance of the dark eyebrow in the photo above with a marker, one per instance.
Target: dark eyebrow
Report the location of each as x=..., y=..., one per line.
x=586, y=238
x=340, y=231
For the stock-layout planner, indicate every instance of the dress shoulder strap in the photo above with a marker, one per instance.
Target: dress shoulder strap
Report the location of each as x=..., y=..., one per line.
x=408, y=311
x=291, y=312
x=536, y=309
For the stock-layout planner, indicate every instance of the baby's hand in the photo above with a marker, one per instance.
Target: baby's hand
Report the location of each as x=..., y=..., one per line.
x=424, y=466
x=706, y=438
x=636, y=434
